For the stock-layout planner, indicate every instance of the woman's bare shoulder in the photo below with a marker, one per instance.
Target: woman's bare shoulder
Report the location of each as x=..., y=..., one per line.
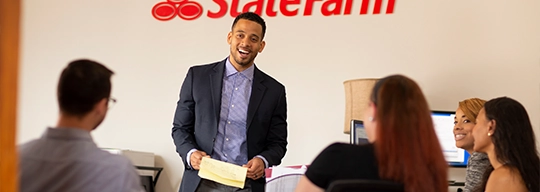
x=505, y=179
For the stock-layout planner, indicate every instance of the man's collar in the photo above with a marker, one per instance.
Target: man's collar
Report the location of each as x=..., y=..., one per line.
x=230, y=70
x=66, y=133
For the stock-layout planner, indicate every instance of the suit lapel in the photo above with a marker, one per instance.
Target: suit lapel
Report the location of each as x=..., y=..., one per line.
x=257, y=93
x=216, y=82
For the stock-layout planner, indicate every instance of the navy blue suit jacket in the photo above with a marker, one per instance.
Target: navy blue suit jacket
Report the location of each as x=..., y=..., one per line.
x=197, y=117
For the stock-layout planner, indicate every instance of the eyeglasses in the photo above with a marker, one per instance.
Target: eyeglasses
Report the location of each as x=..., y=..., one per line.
x=111, y=103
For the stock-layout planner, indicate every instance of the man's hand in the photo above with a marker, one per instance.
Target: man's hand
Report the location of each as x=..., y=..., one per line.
x=255, y=168
x=196, y=158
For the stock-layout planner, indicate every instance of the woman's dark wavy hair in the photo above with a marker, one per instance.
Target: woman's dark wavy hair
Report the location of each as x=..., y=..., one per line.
x=514, y=139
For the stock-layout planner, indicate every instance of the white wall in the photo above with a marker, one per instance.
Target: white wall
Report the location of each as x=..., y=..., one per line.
x=453, y=49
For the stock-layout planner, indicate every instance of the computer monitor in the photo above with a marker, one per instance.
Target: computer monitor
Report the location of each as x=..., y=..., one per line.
x=444, y=126
x=358, y=133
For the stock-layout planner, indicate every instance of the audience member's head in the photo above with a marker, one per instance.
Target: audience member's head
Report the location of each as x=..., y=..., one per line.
x=503, y=128
x=65, y=157
x=84, y=90
x=464, y=122
x=399, y=122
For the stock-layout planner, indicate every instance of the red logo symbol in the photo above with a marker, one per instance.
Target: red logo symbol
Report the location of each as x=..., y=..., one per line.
x=185, y=9
x=190, y=10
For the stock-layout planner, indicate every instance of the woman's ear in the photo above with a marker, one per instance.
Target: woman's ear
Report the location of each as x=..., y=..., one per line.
x=369, y=113
x=369, y=122
x=372, y=110
x=492, y=126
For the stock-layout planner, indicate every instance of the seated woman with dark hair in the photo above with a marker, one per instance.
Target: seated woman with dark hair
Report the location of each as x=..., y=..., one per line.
x=403, y=145
x=464, y=122
x=504, y=131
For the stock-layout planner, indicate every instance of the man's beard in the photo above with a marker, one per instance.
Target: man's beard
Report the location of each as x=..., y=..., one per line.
x=246, y=62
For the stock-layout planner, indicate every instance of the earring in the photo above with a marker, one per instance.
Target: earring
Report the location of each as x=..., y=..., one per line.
x=370, y=119
x=489, y=134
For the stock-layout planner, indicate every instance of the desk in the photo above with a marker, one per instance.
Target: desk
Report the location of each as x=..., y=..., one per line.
x=458, y=174
x=453, y=187
x=137, y=158
x=147, y=181
x=277, y=171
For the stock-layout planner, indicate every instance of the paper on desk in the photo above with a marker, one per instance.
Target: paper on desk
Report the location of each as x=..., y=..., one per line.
x=222, y=172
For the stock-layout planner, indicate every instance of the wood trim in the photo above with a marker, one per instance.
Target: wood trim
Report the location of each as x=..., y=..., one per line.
x=9, y=63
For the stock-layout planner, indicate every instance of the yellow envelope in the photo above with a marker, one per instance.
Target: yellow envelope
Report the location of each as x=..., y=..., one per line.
x=223, y=172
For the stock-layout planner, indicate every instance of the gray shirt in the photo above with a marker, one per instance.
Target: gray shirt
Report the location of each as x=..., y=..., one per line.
x=69, y=160
x=476, y=166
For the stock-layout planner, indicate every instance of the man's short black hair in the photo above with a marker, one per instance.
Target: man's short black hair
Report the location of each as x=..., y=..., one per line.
x=252, y=17
x=83, y=83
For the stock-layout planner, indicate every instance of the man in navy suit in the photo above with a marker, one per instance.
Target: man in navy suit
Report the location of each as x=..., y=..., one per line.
x=232, y=111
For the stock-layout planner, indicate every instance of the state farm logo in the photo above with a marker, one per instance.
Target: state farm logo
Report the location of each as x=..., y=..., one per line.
x=185, y=9
x=190, y=10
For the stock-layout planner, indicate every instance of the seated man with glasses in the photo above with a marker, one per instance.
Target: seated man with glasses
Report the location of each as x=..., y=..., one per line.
x=112, y=101
x=66, y=158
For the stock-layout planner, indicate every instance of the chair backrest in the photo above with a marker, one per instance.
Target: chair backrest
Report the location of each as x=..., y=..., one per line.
x=147, y=184
x=364, y=186
x=283, y=183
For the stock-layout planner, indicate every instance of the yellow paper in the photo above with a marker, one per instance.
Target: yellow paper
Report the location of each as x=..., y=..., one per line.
x=222, y=172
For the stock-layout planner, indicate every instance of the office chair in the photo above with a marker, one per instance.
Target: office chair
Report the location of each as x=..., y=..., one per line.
x=362, y=185
x=283, y=183
x=146, y=181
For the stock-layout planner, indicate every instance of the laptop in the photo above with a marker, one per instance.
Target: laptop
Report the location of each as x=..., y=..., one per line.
x=358, y=133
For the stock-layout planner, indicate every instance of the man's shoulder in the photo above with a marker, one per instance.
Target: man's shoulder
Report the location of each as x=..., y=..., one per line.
x=206, y=66
x=113, y=159
x=26, y=148
x=112, y=164
x=269, y=79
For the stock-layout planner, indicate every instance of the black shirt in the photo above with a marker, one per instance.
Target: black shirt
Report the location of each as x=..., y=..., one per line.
x=343, y=161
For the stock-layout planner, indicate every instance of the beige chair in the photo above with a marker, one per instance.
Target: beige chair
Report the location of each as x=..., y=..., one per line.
x=283, y=183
